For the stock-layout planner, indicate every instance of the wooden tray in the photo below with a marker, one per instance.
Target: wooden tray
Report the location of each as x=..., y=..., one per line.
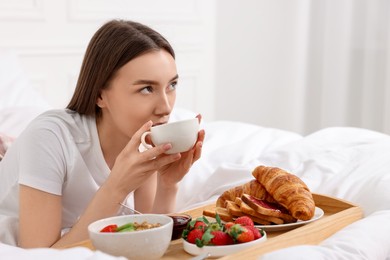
x=337, y=214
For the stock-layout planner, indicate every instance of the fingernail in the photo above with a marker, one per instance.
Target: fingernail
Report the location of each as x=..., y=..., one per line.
x=167, y=146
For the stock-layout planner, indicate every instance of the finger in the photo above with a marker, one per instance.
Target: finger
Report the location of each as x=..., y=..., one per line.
x=198, y=151
x=200, y=138
x=199, y=116
x=157, y=151
x=162, y=161
x=201, y=135
x=199, y=145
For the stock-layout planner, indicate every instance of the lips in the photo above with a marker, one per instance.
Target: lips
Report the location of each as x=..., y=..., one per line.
x=159, y=123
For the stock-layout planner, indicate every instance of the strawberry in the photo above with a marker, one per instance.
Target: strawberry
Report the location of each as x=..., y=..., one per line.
x=228, y=225
x=214, y=226
x=194, y=234
x=196, y=222
x=220, y=238
x=244, y=221
x=246, y=235
x=255, y=230
x=200, y=225
x=241, y=234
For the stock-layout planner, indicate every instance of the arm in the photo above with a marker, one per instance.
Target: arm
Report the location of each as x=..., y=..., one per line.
x=151, y=197
x=38, y=208
x=144, y=195
x=158, y=194
x=39, y=211
x=42, y=167
x=104, y=204
x=165, y=200
x=40, y=217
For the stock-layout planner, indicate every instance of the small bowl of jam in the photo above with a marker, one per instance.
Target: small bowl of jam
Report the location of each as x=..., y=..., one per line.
x=180, y=221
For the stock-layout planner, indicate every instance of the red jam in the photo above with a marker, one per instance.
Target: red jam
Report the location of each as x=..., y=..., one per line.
x=180, y=222
x=269, y=205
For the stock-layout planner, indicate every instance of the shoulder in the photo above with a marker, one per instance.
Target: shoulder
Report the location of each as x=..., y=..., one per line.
x=61, y=116
x=63, y=122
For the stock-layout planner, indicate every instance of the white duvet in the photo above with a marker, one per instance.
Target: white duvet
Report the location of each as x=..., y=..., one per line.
x=348, y=163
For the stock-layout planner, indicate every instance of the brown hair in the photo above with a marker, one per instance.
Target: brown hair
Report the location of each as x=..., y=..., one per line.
x=112, y=46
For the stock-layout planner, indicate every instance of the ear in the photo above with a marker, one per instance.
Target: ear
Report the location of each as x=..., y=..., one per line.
x=100, y=102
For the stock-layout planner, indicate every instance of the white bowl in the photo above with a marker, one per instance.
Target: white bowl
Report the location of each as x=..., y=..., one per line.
x=219, y=251
x=143, y=244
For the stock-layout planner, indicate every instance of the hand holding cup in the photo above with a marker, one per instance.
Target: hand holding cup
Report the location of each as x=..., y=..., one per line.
x=182, y=135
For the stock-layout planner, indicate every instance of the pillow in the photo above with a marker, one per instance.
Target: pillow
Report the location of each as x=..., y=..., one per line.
x=13, y=120
x=19, y=101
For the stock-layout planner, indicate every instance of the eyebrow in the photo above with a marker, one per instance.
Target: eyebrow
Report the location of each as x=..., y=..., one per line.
x=152, y=82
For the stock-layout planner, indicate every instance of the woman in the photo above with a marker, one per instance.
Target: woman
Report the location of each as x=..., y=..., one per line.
x=71, y=167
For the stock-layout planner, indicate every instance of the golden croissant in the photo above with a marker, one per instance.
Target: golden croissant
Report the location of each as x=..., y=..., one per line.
x=288, y=190
x=252, y=187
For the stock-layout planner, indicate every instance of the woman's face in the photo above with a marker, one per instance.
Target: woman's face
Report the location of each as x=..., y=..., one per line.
x=143, y=89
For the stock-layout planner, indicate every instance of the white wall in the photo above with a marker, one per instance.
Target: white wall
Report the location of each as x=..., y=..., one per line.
x=260, y=52
x=298, y=65
x=50, y=37
x=304, y=65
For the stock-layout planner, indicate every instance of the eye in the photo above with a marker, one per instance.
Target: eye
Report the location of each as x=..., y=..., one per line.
x=147, y=90
x=172, y=85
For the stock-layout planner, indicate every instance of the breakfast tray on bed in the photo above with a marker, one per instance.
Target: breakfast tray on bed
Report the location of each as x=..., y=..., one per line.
x=337, y=214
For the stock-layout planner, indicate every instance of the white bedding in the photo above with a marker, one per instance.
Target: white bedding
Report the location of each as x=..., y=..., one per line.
x=348, y=163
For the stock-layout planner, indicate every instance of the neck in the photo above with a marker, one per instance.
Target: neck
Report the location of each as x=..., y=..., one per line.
x=111, y=141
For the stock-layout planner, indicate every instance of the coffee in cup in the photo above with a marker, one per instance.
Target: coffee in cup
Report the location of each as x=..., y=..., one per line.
x=182, y=135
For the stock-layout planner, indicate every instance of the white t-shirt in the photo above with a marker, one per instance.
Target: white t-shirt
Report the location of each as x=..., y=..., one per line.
x=59, y=153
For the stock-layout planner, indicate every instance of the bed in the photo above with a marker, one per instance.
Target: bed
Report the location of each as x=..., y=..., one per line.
x=344, y=162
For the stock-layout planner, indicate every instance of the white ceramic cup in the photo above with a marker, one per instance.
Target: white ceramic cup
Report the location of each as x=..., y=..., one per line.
x=182, y=135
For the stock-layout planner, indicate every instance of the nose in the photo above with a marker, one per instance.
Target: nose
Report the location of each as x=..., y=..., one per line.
x=165, y=103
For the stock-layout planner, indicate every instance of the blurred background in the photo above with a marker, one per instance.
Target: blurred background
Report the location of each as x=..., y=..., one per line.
x=298, y=65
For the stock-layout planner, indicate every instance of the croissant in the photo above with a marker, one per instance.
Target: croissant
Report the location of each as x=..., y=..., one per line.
x=288, y=190
x=252, y=187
